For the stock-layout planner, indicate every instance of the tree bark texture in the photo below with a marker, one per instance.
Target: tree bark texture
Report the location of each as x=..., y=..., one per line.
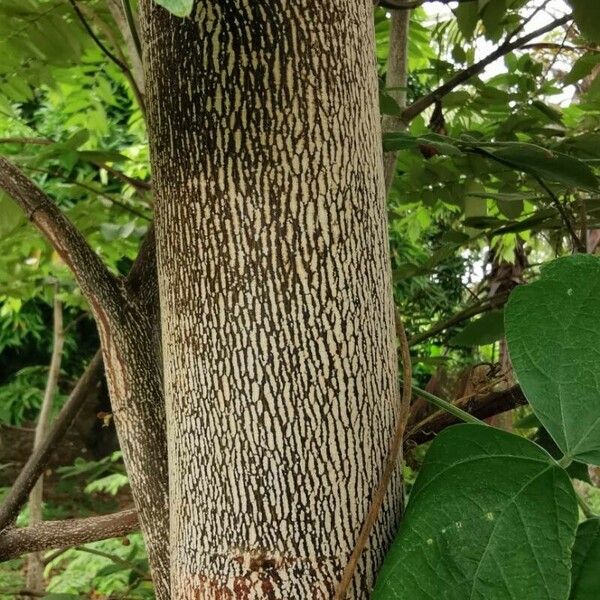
x=277, y=316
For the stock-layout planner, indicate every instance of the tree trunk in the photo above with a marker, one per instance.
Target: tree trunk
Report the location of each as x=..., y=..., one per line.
x=277, y=317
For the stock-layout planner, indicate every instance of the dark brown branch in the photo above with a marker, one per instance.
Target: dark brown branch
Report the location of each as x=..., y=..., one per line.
x=48, y=535
x=39, y=459
x=417, y=107
x=98, y=285
x=481, y=407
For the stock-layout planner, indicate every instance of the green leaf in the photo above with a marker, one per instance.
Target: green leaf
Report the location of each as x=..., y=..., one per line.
x=482, y=331
x=492, y=14
x=478, y=526
x=582, y=67
x=587, y=17
x=553, y=334
x=467, y=15
x=443, y=144
x=586, y=562
x=548, y=165
x=76, y=140
x=11, y=216
x=387, y=105
x=398, y=141
x=180, y=8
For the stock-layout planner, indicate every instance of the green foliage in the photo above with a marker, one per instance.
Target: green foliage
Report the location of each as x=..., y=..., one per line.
x=492, y=540
x=586, y=560
x=485, y=330
x=552, y=329
x=121, y=569
x=587, y=16
x=21, y=397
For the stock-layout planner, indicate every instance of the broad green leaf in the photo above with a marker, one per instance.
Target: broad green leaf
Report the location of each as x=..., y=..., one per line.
x=587, y=17
x=585, y=580
x=76, y=140
x=582, y=67
x=398, y=141
x=467, y=15
x=481, y=331
x=442, y=144
x=491, y=15
x=180, y=8
x=553, y=334
x=490, y=517
x=388, y=105
x=548, y=165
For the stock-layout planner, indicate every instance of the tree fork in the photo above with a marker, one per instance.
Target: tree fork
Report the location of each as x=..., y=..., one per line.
x=126, y=314
x=277, y=313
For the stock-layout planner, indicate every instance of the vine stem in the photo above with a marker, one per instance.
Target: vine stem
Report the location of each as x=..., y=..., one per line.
x=447, y=406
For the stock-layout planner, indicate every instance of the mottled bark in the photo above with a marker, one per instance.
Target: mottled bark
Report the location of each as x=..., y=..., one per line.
x=277, y=318
x=35, y=564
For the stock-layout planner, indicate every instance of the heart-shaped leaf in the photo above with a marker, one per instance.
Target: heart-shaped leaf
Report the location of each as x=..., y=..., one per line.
x=553, y=333
x=477, y=524
x=585, y=582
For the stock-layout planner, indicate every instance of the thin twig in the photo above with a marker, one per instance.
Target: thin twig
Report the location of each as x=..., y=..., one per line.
x=38, y=460
x=90, y=188
x=578, y=245
x=35, y=567
x=114, y=558
x=391, y=461
x=122, y=66
x=417, y=107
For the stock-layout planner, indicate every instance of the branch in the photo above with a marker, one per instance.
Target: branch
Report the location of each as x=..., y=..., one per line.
x=35, y=566
x=39, y=459
x=481, y=407
x=417, y=107
x=98, y=285
x=122, y=66
x=65, y=534
x=396, y=78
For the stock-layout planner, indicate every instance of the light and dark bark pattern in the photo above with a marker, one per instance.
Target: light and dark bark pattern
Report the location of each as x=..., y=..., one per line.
x=278, y=336
x=136, y=396
x=49, y=535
